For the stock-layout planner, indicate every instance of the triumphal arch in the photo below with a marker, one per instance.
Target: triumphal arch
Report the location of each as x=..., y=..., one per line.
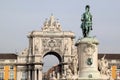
x=49, y=40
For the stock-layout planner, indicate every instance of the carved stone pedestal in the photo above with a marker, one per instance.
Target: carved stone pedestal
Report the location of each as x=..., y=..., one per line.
x=88, y=58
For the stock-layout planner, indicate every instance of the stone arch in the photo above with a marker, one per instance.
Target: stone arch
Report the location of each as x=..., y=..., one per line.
x=50, y=40
x=58, y=67
x=53, y=53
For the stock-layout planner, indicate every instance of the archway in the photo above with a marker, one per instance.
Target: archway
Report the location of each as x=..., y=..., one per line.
x=50, y=40
x=55, y=54
x=51, y=65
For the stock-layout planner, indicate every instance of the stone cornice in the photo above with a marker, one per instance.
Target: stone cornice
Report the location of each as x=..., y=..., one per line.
x=7, y=64
x=52, y=34
x=87, y=40
x=26, y=64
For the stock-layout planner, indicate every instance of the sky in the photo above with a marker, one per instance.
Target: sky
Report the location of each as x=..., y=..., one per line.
x=19, y=17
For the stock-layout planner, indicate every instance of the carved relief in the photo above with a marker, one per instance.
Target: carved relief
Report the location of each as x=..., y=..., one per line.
x=51, y=25
x=103, y=66
x=89, y=49
x=66, y=48
x=25, y=51
x=59, y=42
x=44, y=42
x=74, y=61
x=37, y=45
x=51, y=44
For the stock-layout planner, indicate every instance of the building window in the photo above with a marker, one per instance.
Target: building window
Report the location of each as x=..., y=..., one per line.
x=24, y=75
x=118, y=67
x=11, y=67
x=1, y=67
x=11, y=75
x=1, y=75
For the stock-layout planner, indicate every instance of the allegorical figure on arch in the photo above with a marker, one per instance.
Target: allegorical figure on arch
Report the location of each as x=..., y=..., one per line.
x=86, y=22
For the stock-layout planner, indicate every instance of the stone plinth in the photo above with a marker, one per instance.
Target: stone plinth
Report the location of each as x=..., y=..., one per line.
x=88, y=58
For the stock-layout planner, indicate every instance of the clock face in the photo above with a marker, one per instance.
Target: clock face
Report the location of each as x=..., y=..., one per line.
x=89, y=61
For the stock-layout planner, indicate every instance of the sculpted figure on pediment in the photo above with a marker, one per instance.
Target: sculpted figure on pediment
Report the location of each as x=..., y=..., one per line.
x=51, y=25
x=25, y=51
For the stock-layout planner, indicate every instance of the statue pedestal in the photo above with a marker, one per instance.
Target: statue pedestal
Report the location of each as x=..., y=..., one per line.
x=88, y=58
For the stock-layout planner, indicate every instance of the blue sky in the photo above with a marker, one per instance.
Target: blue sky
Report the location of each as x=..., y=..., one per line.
x=19, y=17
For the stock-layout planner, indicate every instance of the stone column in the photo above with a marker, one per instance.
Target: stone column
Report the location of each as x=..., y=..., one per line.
x=35, y=72
x=34, y=75
x=58, y=75
x=28, y=73
x=38, y=71
x=18, y=75
x=88, y=58
x=40, y=74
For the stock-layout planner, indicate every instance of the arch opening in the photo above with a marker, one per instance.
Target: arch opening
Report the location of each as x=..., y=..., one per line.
x=51, y=63
x=55, y=54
